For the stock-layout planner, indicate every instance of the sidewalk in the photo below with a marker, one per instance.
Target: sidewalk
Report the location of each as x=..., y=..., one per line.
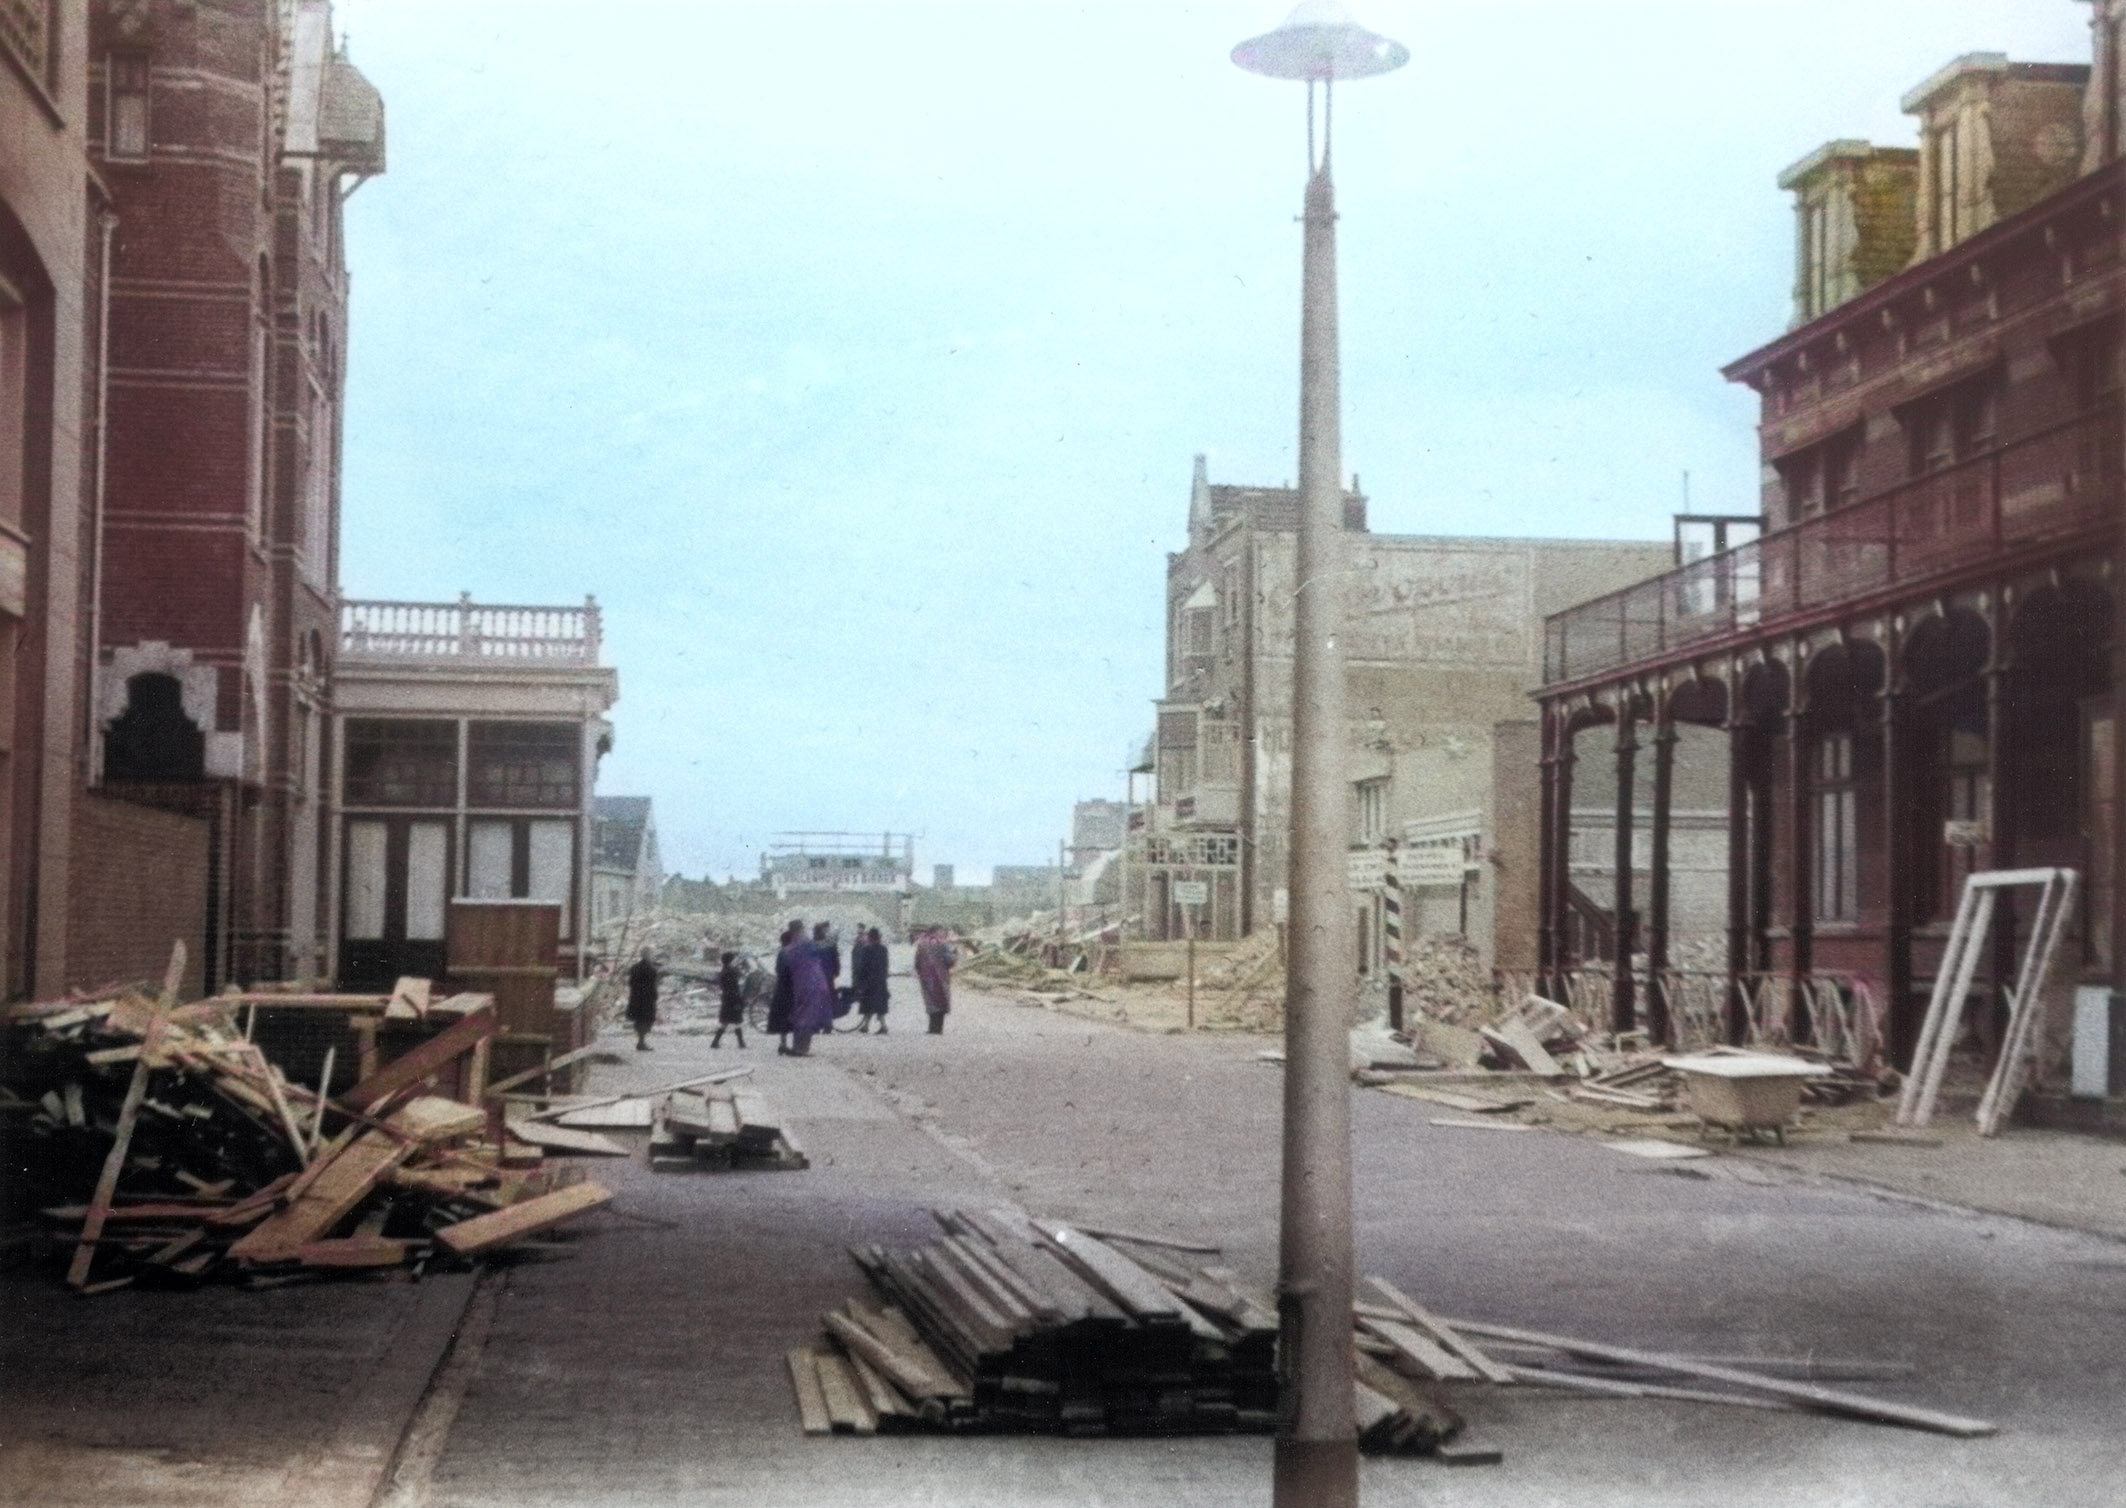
x=2055, y=1178
x=214, y=1398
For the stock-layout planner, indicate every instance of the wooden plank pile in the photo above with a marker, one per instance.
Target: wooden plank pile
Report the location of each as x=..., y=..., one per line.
x=163, y=1146
x=1010, y=1324
x=712, y=1125
x=1007, y=1324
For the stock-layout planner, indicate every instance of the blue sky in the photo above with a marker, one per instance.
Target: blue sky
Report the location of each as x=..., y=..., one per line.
x=854, y=355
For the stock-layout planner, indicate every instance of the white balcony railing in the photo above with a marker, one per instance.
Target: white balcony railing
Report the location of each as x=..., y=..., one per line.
x=465, y=629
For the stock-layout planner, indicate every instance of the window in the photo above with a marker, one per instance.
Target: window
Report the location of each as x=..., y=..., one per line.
x=521, y=858
x=1837, y=831
x=2092, y=362
x=1956, y=425
x=402, y=763
x=1816, y=257
x=1826, y=476
x=522, y=764
x=126, y=82
x=1948, y=186
x=1372, y=811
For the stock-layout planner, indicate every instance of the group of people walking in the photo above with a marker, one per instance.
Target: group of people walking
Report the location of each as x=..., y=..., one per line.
x=808, y=996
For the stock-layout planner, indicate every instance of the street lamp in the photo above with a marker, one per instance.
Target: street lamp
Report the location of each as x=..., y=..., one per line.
x=1317, y=1433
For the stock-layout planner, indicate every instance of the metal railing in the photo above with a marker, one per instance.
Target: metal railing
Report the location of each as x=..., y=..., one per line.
x=2047, y=486
x=468, y=630
x=1837, y=1014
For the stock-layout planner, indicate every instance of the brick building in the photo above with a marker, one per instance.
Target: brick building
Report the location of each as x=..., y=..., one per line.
x=1913, y=669
x=229, y=133
x=1443, y=641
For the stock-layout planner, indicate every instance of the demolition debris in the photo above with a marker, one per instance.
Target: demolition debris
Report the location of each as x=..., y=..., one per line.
x=164, y=1146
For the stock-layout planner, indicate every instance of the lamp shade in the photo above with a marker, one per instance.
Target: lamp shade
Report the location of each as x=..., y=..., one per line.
x=1319, y=41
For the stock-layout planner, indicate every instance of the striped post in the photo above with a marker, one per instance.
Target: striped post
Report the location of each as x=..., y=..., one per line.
x=1391, y=931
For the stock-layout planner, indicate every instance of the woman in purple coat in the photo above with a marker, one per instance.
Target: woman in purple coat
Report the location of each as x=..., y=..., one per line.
x=811, y=996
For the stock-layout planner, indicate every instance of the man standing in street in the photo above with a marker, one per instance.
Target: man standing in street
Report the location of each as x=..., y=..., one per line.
x=642, y=999
x=867, y=972
x=933, y=971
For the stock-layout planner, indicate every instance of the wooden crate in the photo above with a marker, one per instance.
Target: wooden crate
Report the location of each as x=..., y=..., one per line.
x=502, y=934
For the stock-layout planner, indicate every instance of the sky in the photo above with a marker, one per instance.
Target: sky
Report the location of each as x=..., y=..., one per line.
x=854, y=355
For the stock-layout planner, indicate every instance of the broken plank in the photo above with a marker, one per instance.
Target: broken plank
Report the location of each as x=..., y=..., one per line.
x=551, y=1065
x=1449, y=1338
x=431, y=1118
x=352, y=1251
x=885, y=1399
x=1421, y=1351
x=811, y=1401
x=565, y=1140
x=128, y=1116
x=717, y=1077
x=914, y=1369
x=1168, y=1243
x=846, y=1409
x=1468, y=1103
x=485, y=1232
x=341, y=1183
x=1830, y=1400
x=424, y=1061
x=1516, y=1038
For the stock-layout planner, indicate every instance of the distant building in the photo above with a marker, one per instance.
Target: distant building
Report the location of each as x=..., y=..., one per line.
x=795, y=864
x=1443, y=640
x=626, y=877
x=1096, y=828
x=1017, y=890
x=468, y=743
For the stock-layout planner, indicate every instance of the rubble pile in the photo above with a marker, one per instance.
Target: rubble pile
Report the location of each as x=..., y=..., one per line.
x=164, y=1147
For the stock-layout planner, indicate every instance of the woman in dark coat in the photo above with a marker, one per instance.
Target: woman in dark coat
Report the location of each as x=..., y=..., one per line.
x=731, y=1001
x=642, y=999
x=784, y=998
x=867, y=971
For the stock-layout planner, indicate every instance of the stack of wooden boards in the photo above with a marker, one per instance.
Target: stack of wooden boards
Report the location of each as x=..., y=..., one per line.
x=1010, y=1324
x=719, y=1127
x=1018, y=1325
x=166, y=1147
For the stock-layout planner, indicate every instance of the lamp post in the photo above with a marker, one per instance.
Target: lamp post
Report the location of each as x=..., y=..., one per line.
x=1317, y=1434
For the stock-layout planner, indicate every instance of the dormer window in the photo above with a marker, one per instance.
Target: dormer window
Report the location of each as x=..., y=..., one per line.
x=126, y=82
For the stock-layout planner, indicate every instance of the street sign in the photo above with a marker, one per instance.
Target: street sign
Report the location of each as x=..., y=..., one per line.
x=1192, y=892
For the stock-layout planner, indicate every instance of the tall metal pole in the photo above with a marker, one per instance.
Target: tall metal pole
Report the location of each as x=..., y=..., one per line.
x=1317, y=1434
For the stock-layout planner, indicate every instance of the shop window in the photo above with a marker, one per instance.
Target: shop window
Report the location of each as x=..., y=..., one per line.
x=523, y=765
x=402, y=763
x=1837, y=831
x=127, y=85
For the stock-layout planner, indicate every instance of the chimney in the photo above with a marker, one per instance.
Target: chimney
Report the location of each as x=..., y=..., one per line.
x=1855, y=221
x=1995, y=137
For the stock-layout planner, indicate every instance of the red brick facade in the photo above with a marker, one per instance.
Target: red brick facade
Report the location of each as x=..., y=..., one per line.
x=228, y=316
x=138, y=882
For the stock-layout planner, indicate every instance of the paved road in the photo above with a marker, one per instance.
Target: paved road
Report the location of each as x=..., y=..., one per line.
x=643, y=1365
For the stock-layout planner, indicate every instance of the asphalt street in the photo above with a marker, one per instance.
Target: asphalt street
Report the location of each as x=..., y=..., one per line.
x=640, y=1360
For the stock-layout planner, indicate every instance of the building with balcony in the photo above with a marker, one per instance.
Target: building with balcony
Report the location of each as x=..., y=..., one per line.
x=1914, y=669
x=466, y=746
x=1443, y=641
